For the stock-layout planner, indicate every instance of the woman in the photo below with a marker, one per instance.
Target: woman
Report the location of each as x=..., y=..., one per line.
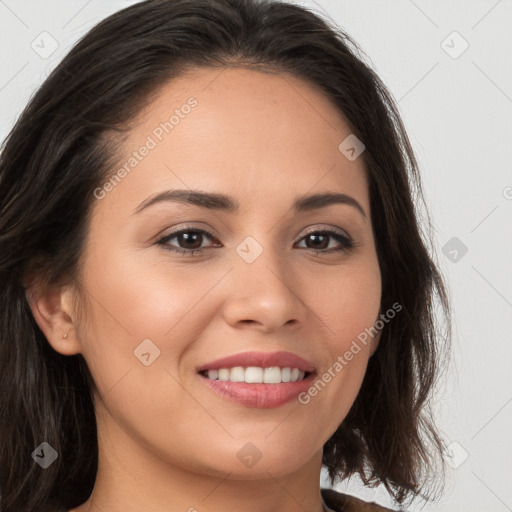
x=212, y=276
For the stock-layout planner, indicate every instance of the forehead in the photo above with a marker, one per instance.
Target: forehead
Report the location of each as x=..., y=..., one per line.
x=252, y=133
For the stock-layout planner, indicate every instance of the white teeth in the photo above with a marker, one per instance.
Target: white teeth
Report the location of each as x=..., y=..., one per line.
x=223, y=374
x=256, y=375
x=213, y=374
x=237, y=374
x=272, y=375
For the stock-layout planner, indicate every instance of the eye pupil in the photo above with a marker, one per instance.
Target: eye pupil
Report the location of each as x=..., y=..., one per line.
x=316, y=238
x=188, y=236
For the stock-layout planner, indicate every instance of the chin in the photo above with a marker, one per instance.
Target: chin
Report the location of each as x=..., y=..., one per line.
x=251, y=463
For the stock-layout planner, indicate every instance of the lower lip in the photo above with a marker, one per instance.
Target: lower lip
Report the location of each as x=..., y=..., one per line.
x=259, y=396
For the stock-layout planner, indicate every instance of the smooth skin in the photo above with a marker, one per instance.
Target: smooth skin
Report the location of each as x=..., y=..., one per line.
x=166, y=441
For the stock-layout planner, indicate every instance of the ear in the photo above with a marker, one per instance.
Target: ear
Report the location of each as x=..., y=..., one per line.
x=52, y=310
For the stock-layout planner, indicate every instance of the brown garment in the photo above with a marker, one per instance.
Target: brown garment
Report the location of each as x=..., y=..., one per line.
x=344, y=503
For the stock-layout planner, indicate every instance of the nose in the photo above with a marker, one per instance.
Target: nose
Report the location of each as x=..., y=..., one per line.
x=264, y=295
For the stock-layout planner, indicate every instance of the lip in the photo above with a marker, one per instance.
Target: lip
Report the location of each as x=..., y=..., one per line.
x=260, y=359
x=259, y=396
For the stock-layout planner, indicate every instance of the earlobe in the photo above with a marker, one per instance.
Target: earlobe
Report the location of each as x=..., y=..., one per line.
x=52, y=312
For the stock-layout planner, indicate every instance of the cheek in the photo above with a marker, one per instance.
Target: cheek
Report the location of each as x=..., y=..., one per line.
x=133, y=301
x=349, y=302
x=349, y=309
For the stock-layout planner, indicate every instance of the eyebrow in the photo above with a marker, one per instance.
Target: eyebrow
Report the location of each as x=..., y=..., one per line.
x=215, y=201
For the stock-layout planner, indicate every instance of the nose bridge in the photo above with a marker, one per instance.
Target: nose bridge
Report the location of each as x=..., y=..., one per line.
x=262, y=286
x=258, y=260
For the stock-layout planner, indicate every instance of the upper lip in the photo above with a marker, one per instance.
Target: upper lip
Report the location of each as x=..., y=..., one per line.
x=260, y=359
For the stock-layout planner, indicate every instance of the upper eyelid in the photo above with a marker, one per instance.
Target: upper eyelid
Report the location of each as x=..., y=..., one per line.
x=315, y=228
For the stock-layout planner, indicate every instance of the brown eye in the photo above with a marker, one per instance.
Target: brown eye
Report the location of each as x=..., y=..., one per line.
x=189, y=240
x=319, y=241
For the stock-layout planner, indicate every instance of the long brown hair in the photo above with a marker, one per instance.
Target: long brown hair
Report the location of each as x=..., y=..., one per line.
x=58, y=153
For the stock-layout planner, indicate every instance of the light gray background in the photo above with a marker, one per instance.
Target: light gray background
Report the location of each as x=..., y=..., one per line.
x=458, y=113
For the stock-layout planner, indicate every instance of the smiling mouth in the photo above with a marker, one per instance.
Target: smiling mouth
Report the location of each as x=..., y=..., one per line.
x=256, y=375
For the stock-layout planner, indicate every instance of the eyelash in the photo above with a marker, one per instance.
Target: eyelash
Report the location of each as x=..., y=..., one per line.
x=347, y=243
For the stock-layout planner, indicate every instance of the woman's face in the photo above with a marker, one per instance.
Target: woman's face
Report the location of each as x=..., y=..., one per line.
x=258, y=285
